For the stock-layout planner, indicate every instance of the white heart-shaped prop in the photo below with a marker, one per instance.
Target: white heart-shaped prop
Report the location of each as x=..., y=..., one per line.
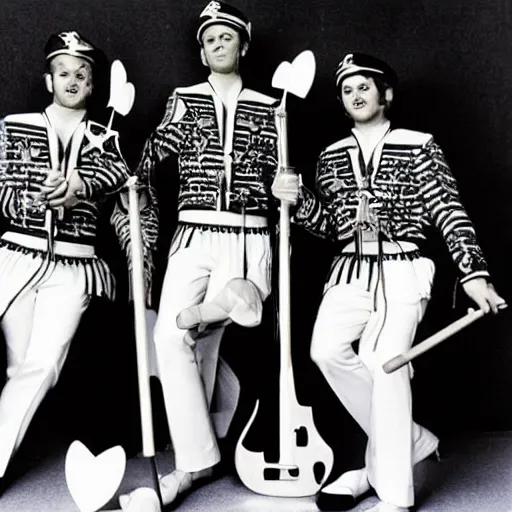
x=93, y=481
x=118, y=77
x=122, y=92
x=281, y=78
x=126, y=105
x=297, y=77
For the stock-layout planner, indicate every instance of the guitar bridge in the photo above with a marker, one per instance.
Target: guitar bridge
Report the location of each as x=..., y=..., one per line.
x=280, y=472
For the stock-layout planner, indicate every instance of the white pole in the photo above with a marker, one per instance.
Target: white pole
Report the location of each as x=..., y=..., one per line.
x=139, y=304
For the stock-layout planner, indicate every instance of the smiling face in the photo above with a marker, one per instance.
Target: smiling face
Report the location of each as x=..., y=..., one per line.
x=363, y=101
x=222, y=49
x=70, y=81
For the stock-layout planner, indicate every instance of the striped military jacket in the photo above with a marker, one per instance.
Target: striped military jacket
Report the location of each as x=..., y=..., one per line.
x=205, y=147
x=29, y=149
x=409, y=188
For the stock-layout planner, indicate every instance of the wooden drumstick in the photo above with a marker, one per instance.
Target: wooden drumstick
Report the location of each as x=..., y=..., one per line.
x=402, y=359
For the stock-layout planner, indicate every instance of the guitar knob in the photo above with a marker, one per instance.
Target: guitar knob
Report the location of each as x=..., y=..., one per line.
x=319, y=471
x=301, y=436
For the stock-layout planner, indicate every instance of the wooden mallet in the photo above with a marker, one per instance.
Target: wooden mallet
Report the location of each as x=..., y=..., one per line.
x=402, y=359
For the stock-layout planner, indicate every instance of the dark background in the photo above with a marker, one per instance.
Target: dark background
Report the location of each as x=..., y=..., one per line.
x=453, y=59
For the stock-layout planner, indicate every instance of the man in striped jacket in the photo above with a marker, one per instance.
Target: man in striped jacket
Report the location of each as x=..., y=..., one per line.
x=218, y=270
x=56, y=167
x=377, y=191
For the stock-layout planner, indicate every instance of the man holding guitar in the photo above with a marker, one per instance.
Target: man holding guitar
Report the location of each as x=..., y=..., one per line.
x=377, y=191
x=218, y=270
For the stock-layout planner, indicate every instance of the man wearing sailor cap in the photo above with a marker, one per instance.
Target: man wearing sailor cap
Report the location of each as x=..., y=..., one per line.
x=376, y=192
x=218, y=270
x=56, y=168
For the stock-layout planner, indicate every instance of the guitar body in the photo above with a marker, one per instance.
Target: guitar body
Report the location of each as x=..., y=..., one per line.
x=311, y=459
x=305, y=459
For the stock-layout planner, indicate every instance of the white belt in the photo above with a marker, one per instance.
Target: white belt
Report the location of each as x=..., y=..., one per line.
x=70, y=249
x=222, y=218
x=387, y=247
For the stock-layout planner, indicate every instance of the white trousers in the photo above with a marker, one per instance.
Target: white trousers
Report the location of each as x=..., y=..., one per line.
x=187, y=361
x=38, y=327
x=381, y=403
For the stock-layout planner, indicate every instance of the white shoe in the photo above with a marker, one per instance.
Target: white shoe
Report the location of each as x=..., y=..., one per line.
x=426, y=444
x=239, y=301
x=383, y=506
x=174, y=484
x=143, y=499
x=352, y=486
x=345, y=492
x=352, y=482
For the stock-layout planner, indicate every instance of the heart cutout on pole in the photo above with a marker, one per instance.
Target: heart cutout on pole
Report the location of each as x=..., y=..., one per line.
x=297, y=77
x=93, y=480
x=281, y=78
x=122, y=92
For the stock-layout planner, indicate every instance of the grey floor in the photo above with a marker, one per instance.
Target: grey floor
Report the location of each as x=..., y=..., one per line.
x=475, y=475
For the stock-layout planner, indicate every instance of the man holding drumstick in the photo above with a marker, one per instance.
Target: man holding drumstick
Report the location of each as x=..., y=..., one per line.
x=377, y=191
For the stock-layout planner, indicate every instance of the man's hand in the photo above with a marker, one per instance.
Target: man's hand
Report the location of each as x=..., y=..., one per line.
x=286, y=187
x=53, y=183
x=484, y=294
x=67, y=192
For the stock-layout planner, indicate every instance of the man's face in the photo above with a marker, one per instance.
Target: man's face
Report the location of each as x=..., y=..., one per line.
x=221, y=49
x=361, y=99
x=70, y=81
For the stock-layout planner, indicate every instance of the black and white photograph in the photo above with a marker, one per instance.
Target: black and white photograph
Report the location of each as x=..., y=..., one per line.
x=254, y=256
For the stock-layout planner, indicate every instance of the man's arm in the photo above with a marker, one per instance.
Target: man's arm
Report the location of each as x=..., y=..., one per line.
x=311, y=212
x=102, y=172
x=106, y=171
x=444, y=207
x=148, y=212
x=166, y=139
x=18, y=196
x=442, y=201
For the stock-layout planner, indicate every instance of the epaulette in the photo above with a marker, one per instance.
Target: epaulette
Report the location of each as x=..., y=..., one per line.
x=258, y=97
x=202, y=88
x=347, y=142
x=34, y=119
x=404, y=136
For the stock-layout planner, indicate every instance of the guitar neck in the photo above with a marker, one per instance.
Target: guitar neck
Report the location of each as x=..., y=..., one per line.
x=284, y=290
x=286, y=380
